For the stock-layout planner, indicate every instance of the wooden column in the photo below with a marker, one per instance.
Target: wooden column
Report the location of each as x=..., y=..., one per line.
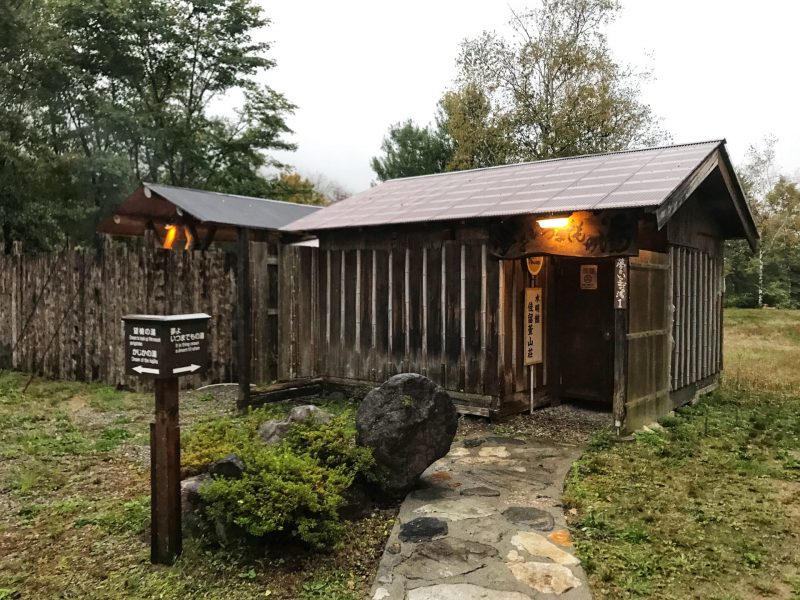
x=243, y=316
x=165, y=475
x=620, y=341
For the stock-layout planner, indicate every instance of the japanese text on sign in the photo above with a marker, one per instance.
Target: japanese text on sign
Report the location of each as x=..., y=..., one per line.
x=534, y=317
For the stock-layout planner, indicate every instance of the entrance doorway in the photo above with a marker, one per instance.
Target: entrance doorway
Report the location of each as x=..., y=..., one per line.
x=585, y=325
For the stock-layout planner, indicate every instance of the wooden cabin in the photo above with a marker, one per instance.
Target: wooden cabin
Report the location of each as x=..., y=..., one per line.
x=597, y=278
x=184, y=219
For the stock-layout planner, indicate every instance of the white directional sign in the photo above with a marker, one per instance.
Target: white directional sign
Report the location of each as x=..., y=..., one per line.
x=166, y=346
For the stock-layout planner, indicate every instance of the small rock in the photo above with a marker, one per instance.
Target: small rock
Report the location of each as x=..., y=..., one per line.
x=486, y=531
x=480, y=491
x=546, y=578
x=513, y=556
x=527, y=516
x=229, y=467
x=560, y=537
x=455, y=510
x=381, y=594
x=494, y=452
x=422, y=529
x=537, y=545
x=190, y=490
x=474, y=442
x=310, y=414
x=192, y=504
x=273, y=432
x=394, y=548
x=461, y=591
x=445, y=558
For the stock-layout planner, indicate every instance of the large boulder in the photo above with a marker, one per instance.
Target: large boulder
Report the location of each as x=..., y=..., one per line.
x=409, y=422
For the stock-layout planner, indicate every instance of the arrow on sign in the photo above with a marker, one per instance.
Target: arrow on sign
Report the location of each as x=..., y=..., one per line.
x=189, y=369
x=141, y=369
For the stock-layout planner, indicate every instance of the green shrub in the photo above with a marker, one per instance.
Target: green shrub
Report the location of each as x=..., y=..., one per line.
x=281, y=491
x=210, y=440
x=295, y=487
x=333, y=446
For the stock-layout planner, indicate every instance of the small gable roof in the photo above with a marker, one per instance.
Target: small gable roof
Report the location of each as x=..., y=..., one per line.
x=659, y=178
x=157, y=203
x=231, y=209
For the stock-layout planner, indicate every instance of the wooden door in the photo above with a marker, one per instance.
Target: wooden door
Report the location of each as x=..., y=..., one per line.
x=584, y=289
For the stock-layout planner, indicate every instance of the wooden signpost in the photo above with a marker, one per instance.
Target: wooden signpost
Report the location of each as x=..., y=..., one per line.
x=164, y=348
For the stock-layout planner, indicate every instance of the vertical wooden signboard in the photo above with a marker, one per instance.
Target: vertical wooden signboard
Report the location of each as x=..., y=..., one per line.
x=533, y=326
x=164, y=348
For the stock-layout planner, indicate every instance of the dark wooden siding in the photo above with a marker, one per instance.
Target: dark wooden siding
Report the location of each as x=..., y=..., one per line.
x=445, y=310
x=697, y=329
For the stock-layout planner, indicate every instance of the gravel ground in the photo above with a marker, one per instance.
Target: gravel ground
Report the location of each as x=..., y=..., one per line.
x=565, y=423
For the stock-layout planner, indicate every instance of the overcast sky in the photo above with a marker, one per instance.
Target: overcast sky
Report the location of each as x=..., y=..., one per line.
x=722, y=68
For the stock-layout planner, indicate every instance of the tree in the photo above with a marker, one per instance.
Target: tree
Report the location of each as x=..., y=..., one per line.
x=553, y=89
x=772, y=276
x=410, y=150
x=479, y=137
x=290, y=186
x=102, y=94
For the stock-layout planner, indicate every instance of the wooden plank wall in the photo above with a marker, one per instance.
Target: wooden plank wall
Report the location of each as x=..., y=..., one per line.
x=446, y=311
x=649, y=328
x=60, y=312
x=697, y=329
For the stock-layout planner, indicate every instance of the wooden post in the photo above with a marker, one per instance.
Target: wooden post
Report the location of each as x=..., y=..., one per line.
x=620, y=341
x=243, y=317
x=165, y=475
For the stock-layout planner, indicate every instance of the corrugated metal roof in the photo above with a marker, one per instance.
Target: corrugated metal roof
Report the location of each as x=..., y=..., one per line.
x=635, y=178
x=230, y=209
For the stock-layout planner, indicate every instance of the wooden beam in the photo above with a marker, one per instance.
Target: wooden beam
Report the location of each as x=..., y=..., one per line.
x=210, y=233
x=739, y=201
x=619, y=396
x=243, y=316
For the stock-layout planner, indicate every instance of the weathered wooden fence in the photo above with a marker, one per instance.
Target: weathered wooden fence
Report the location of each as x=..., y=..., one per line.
x=365, y=315
x=60, y=313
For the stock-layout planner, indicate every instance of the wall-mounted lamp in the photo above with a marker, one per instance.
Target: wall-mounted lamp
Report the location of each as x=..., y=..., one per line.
x=553, y=222
x=169, y=238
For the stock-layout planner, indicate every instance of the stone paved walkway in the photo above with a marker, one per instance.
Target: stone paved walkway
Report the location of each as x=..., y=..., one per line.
x=488, y=525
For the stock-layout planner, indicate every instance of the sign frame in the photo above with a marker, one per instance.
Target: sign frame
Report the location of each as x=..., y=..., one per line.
x=164, y=346
x=533, y=326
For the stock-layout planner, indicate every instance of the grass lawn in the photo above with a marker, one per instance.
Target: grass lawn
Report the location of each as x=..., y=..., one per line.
x=74, y=509
x=709, y=506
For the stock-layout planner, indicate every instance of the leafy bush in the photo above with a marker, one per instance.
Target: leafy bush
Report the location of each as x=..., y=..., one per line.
x=211, y=440
x=295, y=487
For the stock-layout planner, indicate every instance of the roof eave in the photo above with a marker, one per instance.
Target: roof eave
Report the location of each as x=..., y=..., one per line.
x=717, y=158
